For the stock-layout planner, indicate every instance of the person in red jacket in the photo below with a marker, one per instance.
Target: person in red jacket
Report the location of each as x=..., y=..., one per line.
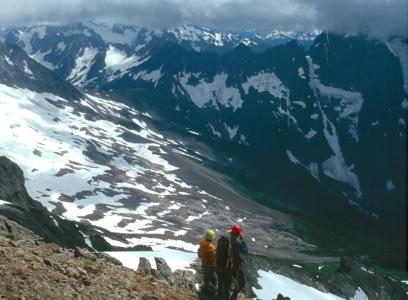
x=238, y=248
x=206, y=252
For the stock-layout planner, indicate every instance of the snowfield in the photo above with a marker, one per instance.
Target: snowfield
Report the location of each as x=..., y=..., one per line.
x=83, y=64
x=100, y=162
x=267, y=82
x=335, y=166
x=83, y=165
x=212, y=93
x=272, y=284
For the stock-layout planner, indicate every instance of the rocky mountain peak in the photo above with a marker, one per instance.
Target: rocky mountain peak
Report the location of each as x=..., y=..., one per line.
x=18, y=69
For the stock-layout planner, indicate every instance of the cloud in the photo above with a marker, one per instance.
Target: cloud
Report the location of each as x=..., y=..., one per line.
x=381, y=18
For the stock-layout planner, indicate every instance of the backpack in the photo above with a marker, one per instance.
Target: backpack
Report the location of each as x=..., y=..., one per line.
x=222, y=252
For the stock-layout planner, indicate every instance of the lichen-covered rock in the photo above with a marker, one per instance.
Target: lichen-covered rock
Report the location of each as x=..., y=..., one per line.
x=144, y=266
x=163, y=270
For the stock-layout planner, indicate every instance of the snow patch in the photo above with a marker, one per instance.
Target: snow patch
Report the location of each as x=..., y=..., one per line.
x=27, y=69
x=335, y=166
x=313, y=168
x=301, y=73
x=7, y=59
x=40, y=58
x=115, y=242
x=232, y=132
x=159, y=244
x=300, y=103
x=192, y=218
x=267, y=82
x=350, y=105
x=61, y=47
x=2, y=202
x=152, y=76
x=310, y=134
x=118, y=63
x=389, y=185
x=359, y=295
x=212, y=93
x=111, y=34
x=83, y=64
x=401, y=51
x=272, y=284
x=292, y=158
x=215, y=132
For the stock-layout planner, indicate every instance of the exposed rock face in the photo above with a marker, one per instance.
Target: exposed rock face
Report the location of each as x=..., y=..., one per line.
x=163, y=270
x=184, y=278
x=17, y=68
x=144, y=266
x=32, y=269
x=13, y=230
x=12, y=187
x=351, y=275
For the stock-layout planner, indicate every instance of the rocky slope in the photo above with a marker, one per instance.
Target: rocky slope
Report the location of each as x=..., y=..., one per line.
x=32, y=269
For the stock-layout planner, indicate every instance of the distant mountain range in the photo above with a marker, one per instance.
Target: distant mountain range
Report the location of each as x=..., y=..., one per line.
x=314, y=122
x=191, y=37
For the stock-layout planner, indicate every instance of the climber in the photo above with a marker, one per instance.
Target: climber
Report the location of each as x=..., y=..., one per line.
x=237, y=249
x=223, y=268
x=206, y=252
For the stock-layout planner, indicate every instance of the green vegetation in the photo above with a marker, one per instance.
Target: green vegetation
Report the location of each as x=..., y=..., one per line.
x=313, y=269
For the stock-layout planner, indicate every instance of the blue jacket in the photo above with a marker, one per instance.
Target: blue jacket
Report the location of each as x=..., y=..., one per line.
x=238, y=250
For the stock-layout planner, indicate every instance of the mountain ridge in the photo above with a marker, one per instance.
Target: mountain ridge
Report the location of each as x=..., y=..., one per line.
x=319, y=122
x=101, y=162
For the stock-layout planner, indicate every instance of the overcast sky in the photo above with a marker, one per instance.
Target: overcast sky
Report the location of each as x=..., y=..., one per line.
x=377, y=17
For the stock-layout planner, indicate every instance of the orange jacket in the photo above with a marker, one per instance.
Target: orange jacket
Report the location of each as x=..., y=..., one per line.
x=206, y=252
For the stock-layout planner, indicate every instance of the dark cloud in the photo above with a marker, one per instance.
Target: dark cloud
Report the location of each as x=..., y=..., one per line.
x=381, y=18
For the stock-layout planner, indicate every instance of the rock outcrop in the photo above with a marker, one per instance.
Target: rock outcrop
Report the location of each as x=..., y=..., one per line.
x=281, y=297
x=181, y=278
x=12, y=188
x=352, y=275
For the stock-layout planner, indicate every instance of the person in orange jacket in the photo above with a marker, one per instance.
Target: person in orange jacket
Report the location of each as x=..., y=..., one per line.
x=206, y=252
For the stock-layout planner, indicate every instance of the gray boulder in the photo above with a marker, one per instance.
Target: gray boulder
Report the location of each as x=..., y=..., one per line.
x=163, y=270
x=144, y=266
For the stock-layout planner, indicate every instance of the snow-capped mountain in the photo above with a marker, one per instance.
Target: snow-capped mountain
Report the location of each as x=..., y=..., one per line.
x=329, y=119
x=315, y=113
x=87, y=52
x=90, y=159
x=191, y=37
